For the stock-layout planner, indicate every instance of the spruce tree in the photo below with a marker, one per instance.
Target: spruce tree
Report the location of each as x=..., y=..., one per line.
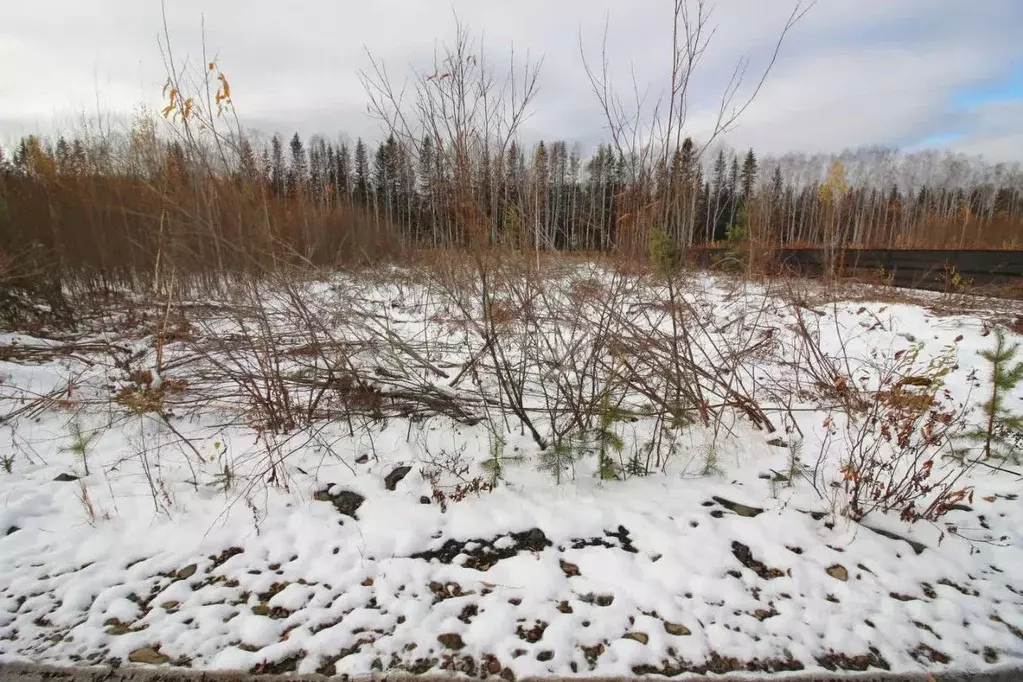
x=1001, y=433
x=382, y=178
x=721, y=197
x=777, y=185
x=277, y=170
x=298, y=173
x=317, y=167
x=265, y=167
x=247, y=171
x=748, y=175
x=79, y=160
x=331, y=171
x=361, y=172
x=344, y=171
x=63, y=155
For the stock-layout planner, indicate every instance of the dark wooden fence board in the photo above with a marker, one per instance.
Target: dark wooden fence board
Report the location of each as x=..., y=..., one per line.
x=922, y=268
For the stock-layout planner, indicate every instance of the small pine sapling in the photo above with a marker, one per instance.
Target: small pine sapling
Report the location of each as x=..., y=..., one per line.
x=493, y=464
x=81, y=443
x=1001, y=432
x=608, y=441
x=558, y=458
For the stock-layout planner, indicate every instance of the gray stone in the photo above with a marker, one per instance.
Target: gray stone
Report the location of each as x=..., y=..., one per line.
x=740, y=509
x=451, y=640
x=147, y=655
x=392, y=479
x=640, y=637
x=347, y=502
x=676, y=629
x=838, y=572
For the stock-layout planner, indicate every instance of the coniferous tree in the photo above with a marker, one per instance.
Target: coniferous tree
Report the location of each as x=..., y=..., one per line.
x=79, y=159
x=317, y=167
x=540, y=185
x=719, y=218
x=344, y=171
x=298, y=171
x=425, y=191
x=749, y=175
x=331, y=171
x=733, y=190
x=278, y=172
x=265, y=168
x=362, y=171
x=63, y=155
x=1001, y=434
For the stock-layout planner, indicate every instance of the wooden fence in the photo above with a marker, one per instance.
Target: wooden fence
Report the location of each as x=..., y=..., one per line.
x=933, y=269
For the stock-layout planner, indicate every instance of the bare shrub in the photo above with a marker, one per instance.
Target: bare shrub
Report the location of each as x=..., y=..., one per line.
x=896, y=424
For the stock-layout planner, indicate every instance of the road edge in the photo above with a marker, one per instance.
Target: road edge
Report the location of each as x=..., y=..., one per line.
x=31, y=672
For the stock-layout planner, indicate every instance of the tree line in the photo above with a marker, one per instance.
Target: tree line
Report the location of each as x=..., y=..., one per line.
x=549, y=196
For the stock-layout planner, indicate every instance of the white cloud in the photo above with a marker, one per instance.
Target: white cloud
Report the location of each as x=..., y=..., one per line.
x=871, y=72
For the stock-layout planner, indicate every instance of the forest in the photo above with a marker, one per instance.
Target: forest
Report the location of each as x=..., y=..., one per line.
x=190, y=189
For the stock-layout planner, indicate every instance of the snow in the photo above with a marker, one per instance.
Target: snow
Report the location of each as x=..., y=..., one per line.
x=262, y=574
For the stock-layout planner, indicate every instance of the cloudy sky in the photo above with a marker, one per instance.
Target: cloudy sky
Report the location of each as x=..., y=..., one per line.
x=905, y=73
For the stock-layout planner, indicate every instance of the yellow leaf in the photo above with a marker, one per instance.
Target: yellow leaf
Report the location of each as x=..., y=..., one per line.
x=212, y=66
x=226, y=87
x=188, y=109
x=167, y=110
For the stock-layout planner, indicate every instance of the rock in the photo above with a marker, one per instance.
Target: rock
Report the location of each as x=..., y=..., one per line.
x=147, y=655
x=12, y=530
x=508, y=675
x=451, y=640
x=740, y=509
x=838, y=572
x=261, y=610
x=116, y=627
x=778, y=443
x=392, y=479
x=485, y=552
x=424, y=500
x=362, y=459
x=917, y=547
x=169, y=605
x=676, y=629
x=640, y=637
x=745, y=556
x=570, y=570
x=597, y=599
x=493, y=666
x=346, y=502
x=187, y=572
x=65, y=478
x=545, y=656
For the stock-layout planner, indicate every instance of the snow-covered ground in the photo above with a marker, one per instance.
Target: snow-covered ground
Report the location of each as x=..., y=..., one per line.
x=173, y=519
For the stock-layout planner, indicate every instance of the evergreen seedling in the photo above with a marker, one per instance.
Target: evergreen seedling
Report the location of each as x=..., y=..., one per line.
x=1001, y=432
